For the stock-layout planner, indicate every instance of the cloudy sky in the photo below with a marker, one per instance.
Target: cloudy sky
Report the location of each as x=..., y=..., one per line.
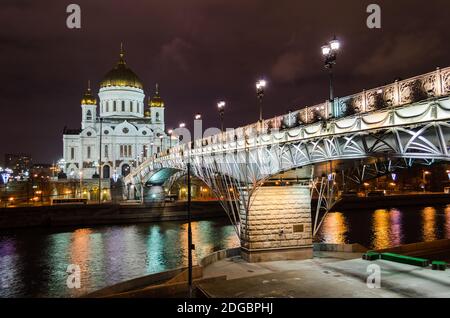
x=200, y=51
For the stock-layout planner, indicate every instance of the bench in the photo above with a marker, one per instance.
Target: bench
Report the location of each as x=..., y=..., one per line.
x=405, y=259
x=371, y=256
x=438, y=265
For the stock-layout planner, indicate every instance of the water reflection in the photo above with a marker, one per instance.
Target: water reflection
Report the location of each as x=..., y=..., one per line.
x=386, y=228
x=382, y=228
x=33, y=262
x=429, y=224
x=334, y=228
x=8, y=265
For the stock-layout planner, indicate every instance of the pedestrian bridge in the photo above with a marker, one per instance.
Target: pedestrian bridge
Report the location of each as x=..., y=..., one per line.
x=407, y=120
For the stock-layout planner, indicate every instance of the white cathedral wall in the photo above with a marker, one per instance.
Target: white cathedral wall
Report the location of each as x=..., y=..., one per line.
x=131, y=98
x=113, y=140
x=136, y=136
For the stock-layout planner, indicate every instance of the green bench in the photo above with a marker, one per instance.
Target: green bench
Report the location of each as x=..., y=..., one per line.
x=371, y=256
x=405, y=259
x=438, y=265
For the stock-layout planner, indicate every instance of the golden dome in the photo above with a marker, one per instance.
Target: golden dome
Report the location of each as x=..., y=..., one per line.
x=147, y=113
x=88, y=98
x=156, y=100
x=121, y=75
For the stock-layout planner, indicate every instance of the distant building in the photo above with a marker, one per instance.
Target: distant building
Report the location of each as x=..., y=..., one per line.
x=43, y=170
x=19, y=163
x=127, y=130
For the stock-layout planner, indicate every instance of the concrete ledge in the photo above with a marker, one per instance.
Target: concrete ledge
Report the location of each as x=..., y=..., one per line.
x=136, y=283
x=219, y=255
x=417, y=247
x=350, y=248
x=177, y=289
x=282, y=254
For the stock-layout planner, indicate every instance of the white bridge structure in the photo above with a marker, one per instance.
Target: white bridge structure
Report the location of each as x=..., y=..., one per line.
x=408, y=120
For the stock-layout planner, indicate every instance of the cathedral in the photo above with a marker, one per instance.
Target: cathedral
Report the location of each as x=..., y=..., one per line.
x=119, y=131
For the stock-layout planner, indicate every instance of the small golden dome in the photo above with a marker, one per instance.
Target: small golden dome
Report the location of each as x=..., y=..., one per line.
x=147, y=113
x=121, y=75
x=156, y=100
x=88, y=98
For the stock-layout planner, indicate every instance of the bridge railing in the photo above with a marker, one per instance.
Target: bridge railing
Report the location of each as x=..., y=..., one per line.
x=401, y=92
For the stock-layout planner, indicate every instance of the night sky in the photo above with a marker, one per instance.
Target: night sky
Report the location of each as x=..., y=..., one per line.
x=200, y=51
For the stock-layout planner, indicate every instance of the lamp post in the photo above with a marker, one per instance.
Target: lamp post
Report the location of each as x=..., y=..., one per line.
x=161, y=142
x=260, y=89
x=100, y=164
x=181, y=125
x=170, y=132
x=329, y=52
x=189, y=227
x=190, y=246
x=221, y=108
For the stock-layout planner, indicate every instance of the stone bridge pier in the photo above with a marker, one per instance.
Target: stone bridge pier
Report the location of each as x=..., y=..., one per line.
x=276, y=225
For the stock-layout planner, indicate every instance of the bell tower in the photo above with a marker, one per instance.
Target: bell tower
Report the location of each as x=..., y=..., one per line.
x=88, y=108
x=156, y=105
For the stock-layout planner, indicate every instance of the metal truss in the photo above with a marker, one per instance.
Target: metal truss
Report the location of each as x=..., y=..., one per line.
x=235, y=164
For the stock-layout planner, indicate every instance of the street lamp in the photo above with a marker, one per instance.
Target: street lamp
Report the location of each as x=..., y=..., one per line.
x=190, y=245
x=221, y=108
x=260, y=88
x=182, y=125
x=198, y=116
x=100, y=163
x=170, y=132
x=329, y=52
x=161, y=139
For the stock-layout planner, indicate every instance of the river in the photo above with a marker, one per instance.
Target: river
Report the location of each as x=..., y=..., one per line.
x=33, y=262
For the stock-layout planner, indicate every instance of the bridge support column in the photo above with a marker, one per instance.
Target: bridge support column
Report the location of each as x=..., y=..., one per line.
x=277, y=225
x=153, y=194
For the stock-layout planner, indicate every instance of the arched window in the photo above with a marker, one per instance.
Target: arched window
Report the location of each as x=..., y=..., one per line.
x=89, y=152
x=123, y=106
x=115, y=107
x=132, y=107
x=106, y=172
x=157, y=116
x=88, y=115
